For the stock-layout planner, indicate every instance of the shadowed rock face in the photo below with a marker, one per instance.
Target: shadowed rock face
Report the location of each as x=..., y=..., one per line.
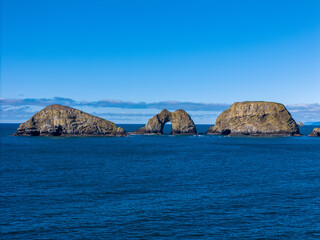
x=255, y=118
x=315, y=133
x=58, y=120
x=182, y=123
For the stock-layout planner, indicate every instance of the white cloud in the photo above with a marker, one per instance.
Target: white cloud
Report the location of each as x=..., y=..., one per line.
x=19, y=110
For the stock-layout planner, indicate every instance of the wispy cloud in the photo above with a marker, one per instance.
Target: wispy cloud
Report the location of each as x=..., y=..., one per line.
x=171, y=105
x=305, y=112
x=19, y=110
x=15, y=114
x=36, y=101
x=314, y=107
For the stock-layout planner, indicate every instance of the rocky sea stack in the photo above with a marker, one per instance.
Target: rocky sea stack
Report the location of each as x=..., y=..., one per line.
x=182, y=123
x=315, y=133
x=58, y=120
x=255, y=118
x=300, y=124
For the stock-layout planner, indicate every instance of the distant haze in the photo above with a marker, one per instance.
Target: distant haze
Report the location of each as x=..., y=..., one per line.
x=19, y=110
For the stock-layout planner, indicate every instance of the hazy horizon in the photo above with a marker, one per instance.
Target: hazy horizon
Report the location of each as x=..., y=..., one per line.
x=20, y=110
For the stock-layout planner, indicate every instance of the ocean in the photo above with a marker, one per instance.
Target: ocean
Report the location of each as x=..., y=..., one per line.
x=159, y=187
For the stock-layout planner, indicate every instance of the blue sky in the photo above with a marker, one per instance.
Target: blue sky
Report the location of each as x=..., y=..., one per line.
x=208, y=53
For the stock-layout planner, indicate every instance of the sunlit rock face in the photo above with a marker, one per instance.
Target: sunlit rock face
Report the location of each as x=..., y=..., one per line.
x=255, y=118
x=58, y=120
x=300, y=124
x=182, y=123
x=315, y=132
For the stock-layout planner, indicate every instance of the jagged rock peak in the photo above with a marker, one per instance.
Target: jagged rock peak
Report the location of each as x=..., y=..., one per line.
x=58, y=120
x=315, y=133
x=182, y=123
x=300, y=124
x=255, y=118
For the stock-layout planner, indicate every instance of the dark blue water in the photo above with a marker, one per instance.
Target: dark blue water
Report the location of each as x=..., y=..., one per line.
x=159, y=187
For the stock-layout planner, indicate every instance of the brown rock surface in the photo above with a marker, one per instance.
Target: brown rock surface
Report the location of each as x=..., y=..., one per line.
x=300, y=124
x=255, y=118
x=315, y=133
x=58, y=120
x=182, y=123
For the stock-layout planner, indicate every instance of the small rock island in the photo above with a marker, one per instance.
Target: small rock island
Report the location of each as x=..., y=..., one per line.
x=58, y=120
x=255, y=118
x=182, y=123
x=300, y=124
x=315, y=133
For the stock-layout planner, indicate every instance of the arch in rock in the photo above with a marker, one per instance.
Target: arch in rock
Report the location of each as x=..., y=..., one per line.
x=181, y=121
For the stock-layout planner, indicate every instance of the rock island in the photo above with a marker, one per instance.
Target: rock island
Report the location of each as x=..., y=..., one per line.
x=182, y=123
x=315, y=133
x=58, y=120
x=255, y=118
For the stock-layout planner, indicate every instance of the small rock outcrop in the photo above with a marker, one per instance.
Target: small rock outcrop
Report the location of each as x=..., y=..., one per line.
x=300, y=124
x=182, y=123
x=315, y=133
x=58, y=120
x=255, y=118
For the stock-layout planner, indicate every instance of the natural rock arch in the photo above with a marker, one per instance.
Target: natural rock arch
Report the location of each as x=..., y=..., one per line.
x=181, y=121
